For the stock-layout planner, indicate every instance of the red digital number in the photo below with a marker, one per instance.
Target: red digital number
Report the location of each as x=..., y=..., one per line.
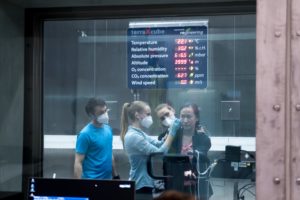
x=180, y=55
x=180, y=61
x=183, y=82
x=181, y=75
x=180, y=41
x=182, y=48
x=180, y=68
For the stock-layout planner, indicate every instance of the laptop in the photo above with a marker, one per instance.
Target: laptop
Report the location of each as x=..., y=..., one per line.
x=80, y=189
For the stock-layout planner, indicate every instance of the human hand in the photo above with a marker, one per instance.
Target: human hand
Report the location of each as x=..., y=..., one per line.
x=189, y=174
x=174, y=127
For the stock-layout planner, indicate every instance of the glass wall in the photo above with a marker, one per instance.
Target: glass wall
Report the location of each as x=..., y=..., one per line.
x=207, y=60
x=12, y=98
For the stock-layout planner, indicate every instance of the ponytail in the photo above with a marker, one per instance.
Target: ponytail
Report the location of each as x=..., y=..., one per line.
x=124, y=121
x=128, y=115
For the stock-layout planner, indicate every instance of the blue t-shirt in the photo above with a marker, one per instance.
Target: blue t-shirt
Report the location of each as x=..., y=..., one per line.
x=96, y=144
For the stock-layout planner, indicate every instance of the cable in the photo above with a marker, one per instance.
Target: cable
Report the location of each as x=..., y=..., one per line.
x=248, y=191
x=206, y=173
x=211, y=166
x=198, y=172
x=245, y=188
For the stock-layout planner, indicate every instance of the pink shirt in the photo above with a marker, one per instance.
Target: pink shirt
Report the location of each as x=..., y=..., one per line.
x=187, y=148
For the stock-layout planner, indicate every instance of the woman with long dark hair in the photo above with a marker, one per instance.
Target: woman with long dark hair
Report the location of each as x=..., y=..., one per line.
x=193, y=140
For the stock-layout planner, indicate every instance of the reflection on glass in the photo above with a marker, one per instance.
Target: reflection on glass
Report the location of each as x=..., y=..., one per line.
x=210, y=64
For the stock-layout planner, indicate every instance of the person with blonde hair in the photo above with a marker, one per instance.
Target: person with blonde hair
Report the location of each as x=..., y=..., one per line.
x=135, y=118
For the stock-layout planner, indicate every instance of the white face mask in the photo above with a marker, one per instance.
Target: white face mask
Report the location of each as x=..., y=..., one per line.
x=168, y=121
x=103, y=119
x=147, y=122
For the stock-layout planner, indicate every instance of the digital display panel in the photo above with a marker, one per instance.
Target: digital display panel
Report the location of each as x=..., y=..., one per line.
x=57, y=198
x=166, y=55
x=79, y=189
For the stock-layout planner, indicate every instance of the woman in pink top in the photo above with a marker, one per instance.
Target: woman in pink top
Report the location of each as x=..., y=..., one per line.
x=195, y=142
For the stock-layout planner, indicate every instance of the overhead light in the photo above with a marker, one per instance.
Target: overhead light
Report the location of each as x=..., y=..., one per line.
x=177, y=23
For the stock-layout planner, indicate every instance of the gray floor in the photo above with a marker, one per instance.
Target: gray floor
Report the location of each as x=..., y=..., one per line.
x=225, y=189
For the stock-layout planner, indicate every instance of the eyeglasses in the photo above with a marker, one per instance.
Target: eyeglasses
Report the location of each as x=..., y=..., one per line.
x=162, y=118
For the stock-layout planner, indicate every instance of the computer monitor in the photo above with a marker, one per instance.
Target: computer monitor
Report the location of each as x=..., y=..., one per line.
x=174, y=166
x=233, y=153
x=80, y=189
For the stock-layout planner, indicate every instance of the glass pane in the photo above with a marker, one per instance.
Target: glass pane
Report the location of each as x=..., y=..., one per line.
x=11, y=101
x=208, y=61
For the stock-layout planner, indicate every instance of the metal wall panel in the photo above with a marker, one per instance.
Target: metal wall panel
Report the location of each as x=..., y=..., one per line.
x=271, y=99
x=295, y=95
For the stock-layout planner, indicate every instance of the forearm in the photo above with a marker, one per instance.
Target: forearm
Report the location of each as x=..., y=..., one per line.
x=169, y=139
x=77, y=170
x=114, y=169
x=167, y=144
